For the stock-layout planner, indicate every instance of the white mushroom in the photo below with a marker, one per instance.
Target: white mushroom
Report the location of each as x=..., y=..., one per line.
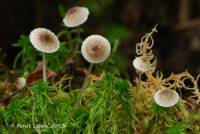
x=75, y=16
x=45, y=41
x=166, y=97
x=142, y=64
x=95, y=49
x=20, y=82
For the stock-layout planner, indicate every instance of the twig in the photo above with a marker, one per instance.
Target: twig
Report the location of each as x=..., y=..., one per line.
x=13, y=94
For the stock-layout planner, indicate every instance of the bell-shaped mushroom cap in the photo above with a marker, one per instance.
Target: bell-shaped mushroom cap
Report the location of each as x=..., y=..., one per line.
x=95, y=49
x=76, y=16
x=166, y=97
x=142, y=64
x=20, y=82
x=44, y=40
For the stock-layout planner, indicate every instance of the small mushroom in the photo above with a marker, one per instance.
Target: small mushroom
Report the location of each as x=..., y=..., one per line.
x=75, y=16
x=166, y=97
x=95, y=49
x=142, y=64
x=45, y=41
x=20, y=82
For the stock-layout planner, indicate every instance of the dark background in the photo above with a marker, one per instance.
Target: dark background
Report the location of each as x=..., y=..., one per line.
x=177, y=44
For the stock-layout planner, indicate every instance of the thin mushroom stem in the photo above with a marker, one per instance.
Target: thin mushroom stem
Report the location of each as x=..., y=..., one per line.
x=77, y=44
x=13, y=94
x=44, y=67
x=138, y=85
x=86, y=79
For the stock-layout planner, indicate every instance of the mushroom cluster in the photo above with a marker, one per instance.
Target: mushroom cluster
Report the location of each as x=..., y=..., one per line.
x=160, y=89
x=95, y=48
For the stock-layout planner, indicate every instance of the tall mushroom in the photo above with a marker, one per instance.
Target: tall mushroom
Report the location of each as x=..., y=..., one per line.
x=45, y=41
x=95, y=49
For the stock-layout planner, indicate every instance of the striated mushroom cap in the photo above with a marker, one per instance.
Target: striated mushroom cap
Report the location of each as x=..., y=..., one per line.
x=44, y=40
x=75, y=16
x=95, y=49
x=166, y=97
x=142, y=64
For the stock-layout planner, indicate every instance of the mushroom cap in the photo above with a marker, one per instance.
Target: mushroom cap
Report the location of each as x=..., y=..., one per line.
x=142, y=64
x=20, y=82
x=75, y=16
x=166, y=97
x=95, y=49
x=44, y=40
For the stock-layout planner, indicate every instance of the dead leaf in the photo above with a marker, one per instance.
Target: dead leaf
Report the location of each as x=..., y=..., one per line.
x=37, y=74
